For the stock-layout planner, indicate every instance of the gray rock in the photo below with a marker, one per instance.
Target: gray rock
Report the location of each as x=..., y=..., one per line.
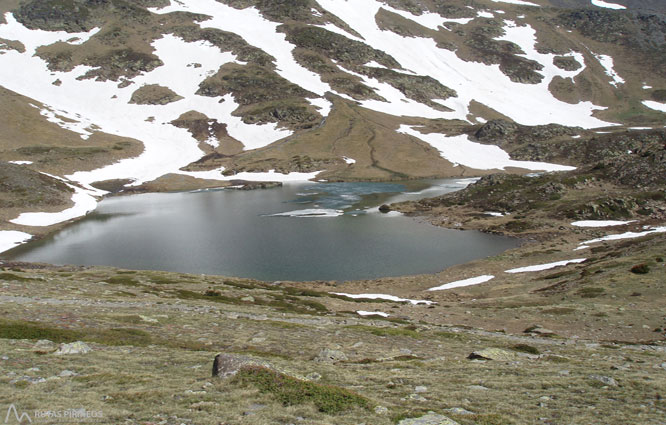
x=253, y=409
x=314, y=376
x=417, y=397
x=459, y=411
x=44, y=346
x=420, y=389
x=477, y=388
x=429, y=419
x=381, y=410
x=539, y=330
x=77, y=347
x=67, y=374
x=492, y=354
x=330, y=356
x=606, y=380
x=228, y=365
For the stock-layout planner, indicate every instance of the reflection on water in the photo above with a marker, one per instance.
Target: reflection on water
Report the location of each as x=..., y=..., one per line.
x=264, y=234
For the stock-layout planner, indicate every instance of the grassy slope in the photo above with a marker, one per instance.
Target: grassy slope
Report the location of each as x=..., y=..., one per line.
x=154, y=336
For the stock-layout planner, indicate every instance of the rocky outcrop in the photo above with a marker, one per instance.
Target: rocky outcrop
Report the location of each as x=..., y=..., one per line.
x=228, y=365
x=154, y=94
x=492, y=354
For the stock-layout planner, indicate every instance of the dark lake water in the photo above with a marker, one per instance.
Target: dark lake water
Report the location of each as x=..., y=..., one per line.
x=308, y=231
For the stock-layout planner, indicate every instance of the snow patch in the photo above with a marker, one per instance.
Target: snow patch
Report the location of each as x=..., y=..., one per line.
x=600, y=223
x=485, y=14
x=607, y=63
x=337, y=30
x=11, y=238
x=547, y=266
x=657, y=106
x=257, y=31
x=349, y=160
x=607, y=5
x=84, y=202
x=461, y=150
x=460, y=283
x=68, y=123
x=383, y=297
x=528, y=104
x=518, y=2
x=371, y=313
x=323, y=105
x=626, y=235
x=20, y=162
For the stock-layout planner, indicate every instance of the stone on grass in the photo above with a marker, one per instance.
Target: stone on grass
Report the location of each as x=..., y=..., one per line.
x=228, y=365
x=381, y=410
x=539, y=330
x=606, y=380
x=430, y=419
x=492, y=354
x=459, y=411
x=327, y=355
x=77, y=347
x=44, y=346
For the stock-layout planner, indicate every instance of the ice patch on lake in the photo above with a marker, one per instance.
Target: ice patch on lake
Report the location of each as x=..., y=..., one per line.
x=10, y=239
x=461, y=283
x=311, y=212
x=548, y=266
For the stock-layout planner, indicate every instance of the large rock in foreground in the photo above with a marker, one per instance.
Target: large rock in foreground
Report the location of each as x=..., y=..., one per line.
x=228, y=365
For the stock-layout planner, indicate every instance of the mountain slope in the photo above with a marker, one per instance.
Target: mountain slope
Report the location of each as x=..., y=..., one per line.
x=223, y=90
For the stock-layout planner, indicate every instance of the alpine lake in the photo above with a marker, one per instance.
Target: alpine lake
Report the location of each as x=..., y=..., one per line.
x=297, y=232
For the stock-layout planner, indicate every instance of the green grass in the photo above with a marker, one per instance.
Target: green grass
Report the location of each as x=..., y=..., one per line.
x=524, y=348
x=10, y=329
x=591, y=292
x=291, y=391
x=406, y=331
x=12, y=276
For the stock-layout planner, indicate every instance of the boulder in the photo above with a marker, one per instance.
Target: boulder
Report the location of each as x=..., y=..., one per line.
x=492, y=354
x=328, y=355
x=606, y=380
x=77, y=347
x=44, y=346
x=538, y=330
x=228, y=365
x=430, y=419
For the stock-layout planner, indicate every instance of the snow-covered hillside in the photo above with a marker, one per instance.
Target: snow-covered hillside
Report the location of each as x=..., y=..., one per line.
x=273, y=73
